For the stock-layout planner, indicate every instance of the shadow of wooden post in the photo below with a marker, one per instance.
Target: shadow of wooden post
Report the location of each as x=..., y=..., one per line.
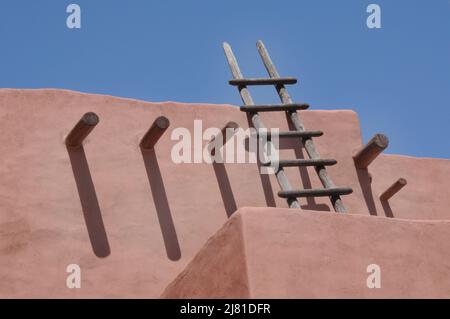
x=365, y=182
x=387, y=209
x=161, y=204
x=215, y=147
x=391, y=191
x=226, y=192
x=85, y=186
x=265, y=178
x=147, y=144
x=362, y=159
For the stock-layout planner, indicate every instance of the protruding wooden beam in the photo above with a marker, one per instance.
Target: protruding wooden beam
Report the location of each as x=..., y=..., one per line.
x=159, y=126
x=371, y=150
x=225, y=138
x=81, y=130
x=394, y=189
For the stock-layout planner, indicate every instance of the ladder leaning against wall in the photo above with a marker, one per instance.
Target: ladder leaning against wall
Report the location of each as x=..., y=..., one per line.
x=305, y=136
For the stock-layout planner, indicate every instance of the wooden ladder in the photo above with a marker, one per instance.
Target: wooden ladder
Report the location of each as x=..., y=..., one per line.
x=291, y=195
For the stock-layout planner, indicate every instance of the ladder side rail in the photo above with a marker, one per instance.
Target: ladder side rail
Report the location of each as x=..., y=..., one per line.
x=308, y=143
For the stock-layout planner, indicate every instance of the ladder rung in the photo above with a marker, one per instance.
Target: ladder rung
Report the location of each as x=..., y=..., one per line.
x=274, y=107
x=291, y=134
x=303, y=162
x=316, y=192
x=263, y=81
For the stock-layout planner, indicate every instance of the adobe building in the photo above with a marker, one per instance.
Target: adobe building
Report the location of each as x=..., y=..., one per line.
x=139, y=225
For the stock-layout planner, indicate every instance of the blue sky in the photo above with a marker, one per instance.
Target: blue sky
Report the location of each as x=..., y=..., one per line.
x=397, y=78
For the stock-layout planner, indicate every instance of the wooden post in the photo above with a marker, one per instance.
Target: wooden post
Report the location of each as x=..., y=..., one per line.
x=371, y=150
x=81, y=130
x=159, y=126
x=394, y=189
x=225, y=138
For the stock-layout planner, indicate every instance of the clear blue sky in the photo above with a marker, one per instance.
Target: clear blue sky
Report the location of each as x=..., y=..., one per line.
x=396, y=78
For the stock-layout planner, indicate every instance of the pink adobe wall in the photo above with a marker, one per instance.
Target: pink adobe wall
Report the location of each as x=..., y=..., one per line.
x=152, y=216
x=280, y=253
